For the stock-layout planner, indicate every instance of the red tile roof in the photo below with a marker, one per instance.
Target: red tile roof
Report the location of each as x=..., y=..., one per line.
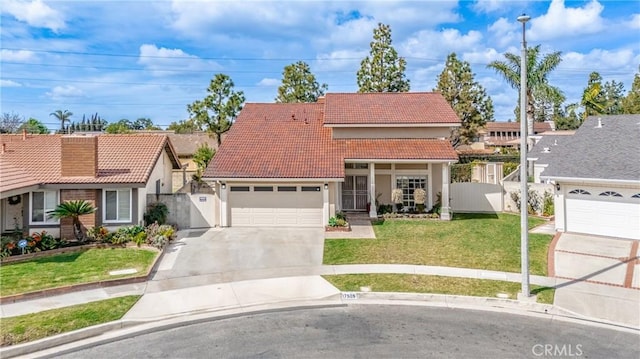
x=413, y=108
x=121, y=159
x=276, y=140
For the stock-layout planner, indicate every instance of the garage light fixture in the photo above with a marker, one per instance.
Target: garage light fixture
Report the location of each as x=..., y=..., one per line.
x=224, y=186
x=326, y=186
x=557, y=186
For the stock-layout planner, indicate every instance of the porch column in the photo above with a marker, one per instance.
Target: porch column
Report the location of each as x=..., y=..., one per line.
x=325, y=204
x=372, y=191
x=223, y=205
x=444, y=210
x=337, y=188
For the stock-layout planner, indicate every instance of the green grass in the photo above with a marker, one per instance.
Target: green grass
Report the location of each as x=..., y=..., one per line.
x=434, y=284
x=480, y=241
x=72, y=268
x=26, y=328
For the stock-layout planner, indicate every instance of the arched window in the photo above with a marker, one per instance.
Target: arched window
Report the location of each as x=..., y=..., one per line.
x=610, y=194
x=580, y=191
x=637, y=195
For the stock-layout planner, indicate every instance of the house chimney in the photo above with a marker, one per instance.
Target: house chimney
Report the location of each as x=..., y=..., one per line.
x=79, y=156
x=4, y=147
x=321, y=99
x=24, y=134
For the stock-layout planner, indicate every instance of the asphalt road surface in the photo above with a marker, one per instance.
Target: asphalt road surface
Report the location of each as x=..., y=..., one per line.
x=368, y=331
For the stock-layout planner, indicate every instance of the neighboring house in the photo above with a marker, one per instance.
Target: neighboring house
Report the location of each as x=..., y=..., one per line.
x=507, y=134
x=596, y=173
x=113, y=172
x=544, y=149
x=185, y=146
x=297, y=164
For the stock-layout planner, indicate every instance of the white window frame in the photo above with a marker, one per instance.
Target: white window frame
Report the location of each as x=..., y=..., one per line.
x=46, y=208
x=104, y=205
x=407, y=196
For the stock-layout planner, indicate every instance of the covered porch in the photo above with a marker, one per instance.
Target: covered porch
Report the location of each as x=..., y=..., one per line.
x=369, y=184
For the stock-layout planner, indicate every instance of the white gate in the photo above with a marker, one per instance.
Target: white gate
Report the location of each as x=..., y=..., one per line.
x=469, y=197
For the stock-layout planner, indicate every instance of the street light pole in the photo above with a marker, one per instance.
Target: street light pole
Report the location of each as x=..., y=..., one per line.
x=524, y=200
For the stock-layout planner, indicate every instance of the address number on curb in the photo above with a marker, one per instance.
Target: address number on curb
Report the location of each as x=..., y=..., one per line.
x=349, y=295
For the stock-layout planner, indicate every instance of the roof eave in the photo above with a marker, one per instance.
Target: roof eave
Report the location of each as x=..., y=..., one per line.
x=395, y=124
x=579, y=180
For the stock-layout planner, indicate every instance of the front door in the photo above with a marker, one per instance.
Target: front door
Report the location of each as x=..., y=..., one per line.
x=354, y=193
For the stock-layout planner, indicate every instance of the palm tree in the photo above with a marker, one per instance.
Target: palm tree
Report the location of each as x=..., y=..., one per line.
x=62, y=116
x=538, y=87
x=73, y=210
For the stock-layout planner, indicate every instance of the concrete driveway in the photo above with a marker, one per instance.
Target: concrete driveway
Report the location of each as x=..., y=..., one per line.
x=237, y=249
x=601, y=276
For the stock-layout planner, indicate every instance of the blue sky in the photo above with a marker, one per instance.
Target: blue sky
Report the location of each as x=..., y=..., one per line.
x=131, y=59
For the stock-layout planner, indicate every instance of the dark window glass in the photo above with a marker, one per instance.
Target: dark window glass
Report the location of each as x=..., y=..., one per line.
x=239, y=188
x=310, y=189
x=263, y=189
x=287, y=188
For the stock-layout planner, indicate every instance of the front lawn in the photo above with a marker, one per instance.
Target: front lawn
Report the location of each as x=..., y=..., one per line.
x=59, y=270
x=480, y=241
x=435, y=284
x=30, y=327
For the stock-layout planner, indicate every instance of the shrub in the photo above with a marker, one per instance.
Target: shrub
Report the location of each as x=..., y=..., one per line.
x=341, y=215
x=156, y=212
x=333, y=221
x=547, y=206
x=99, y=234
x=534, y=205
x=341, y=223
x=126, y=234
x=159, y=235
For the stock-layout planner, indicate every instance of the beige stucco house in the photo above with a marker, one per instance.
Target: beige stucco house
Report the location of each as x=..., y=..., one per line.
x=113, y=172
x=298, y=164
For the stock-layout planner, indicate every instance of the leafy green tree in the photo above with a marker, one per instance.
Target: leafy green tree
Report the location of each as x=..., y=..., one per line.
x=599, y=99
x=92, y=124
x=382, y=70
x=10, y=122
x=613, y=94
x=144, y=124
x=62, y=116
x=567, y=118
x=299, y=84
x=34, y=126
x=631, y=103
x=217, y=111
x=73, y=210
x=122, y=126
x=202, y=157
x=466, y=96
x=538, y=87
x=184, y=126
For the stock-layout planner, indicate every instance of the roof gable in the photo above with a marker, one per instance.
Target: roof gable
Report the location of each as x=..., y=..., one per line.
x=406, y=108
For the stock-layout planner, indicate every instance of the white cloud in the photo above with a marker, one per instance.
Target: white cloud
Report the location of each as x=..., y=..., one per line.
x=482, y=57
x=561, y=21
x=634, y=22
x=504, y=32
x=599, y=60
x=437, y=44
x=269, y=82
x=340, y=60
x=488, y=6
x=35, y=13
x=9, y=83
x=164, y=62
x=16, y=55
x=62, y=92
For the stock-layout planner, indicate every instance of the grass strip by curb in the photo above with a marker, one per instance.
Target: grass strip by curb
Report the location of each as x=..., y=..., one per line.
x=30, y=327
x=412, y=283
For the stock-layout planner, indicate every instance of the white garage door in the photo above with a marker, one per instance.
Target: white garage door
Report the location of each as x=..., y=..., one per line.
x=611, y=215
x=276, y=206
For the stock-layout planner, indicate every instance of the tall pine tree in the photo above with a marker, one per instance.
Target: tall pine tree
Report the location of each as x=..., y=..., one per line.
x=299, y=84
x=467, y=98
x=382, y=70
x=631, y=103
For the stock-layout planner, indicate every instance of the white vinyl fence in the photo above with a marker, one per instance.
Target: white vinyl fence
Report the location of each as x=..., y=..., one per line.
x=469, y=197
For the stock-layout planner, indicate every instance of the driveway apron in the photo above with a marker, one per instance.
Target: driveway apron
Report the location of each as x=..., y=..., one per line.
x=237, y=249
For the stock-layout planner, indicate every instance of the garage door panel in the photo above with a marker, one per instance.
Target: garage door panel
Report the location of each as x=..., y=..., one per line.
x=606, y=217
x=270, y=209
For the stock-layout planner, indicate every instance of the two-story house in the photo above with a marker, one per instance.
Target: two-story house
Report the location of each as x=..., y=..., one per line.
x=297, y=164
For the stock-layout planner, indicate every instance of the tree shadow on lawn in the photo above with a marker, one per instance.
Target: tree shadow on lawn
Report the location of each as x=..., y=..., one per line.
x=465, y=216
x=59, y=257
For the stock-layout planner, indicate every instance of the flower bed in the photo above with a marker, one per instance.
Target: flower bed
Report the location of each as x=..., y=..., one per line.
x=346, y=228
x=409, y=216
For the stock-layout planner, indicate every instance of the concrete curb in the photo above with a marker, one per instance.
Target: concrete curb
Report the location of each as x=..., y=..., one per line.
x=121, y=329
